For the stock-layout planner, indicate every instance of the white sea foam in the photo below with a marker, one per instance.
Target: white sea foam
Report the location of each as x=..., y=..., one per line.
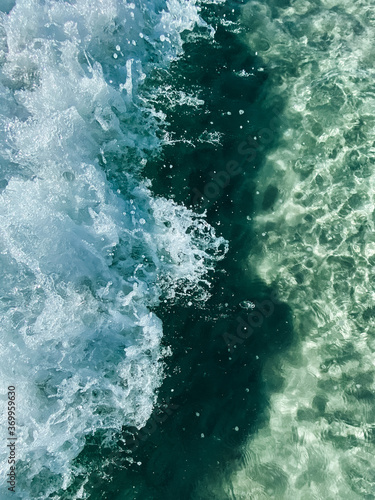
x=85, y=249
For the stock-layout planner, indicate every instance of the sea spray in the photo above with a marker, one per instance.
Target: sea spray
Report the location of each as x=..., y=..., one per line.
x=86, y=250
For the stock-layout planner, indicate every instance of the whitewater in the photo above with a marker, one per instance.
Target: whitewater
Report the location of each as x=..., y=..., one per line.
x=86, y=251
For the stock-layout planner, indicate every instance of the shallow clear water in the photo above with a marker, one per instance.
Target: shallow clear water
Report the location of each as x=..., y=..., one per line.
x=316, y=246
x=187, y=248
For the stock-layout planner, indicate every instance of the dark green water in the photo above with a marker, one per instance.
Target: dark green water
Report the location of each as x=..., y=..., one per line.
x=214, y=394
x=266, y=126
x=286, y=411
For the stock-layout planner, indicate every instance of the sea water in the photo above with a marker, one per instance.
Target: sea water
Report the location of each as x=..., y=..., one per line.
x=134, y=375
x=87, y=251
x=316, y=246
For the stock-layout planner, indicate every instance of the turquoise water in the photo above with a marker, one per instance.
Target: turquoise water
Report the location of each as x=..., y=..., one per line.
x=316, y=247
x=187, y=248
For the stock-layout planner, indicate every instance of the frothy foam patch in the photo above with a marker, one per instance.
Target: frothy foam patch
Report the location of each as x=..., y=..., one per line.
x=86, y=250
x=316, y=244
